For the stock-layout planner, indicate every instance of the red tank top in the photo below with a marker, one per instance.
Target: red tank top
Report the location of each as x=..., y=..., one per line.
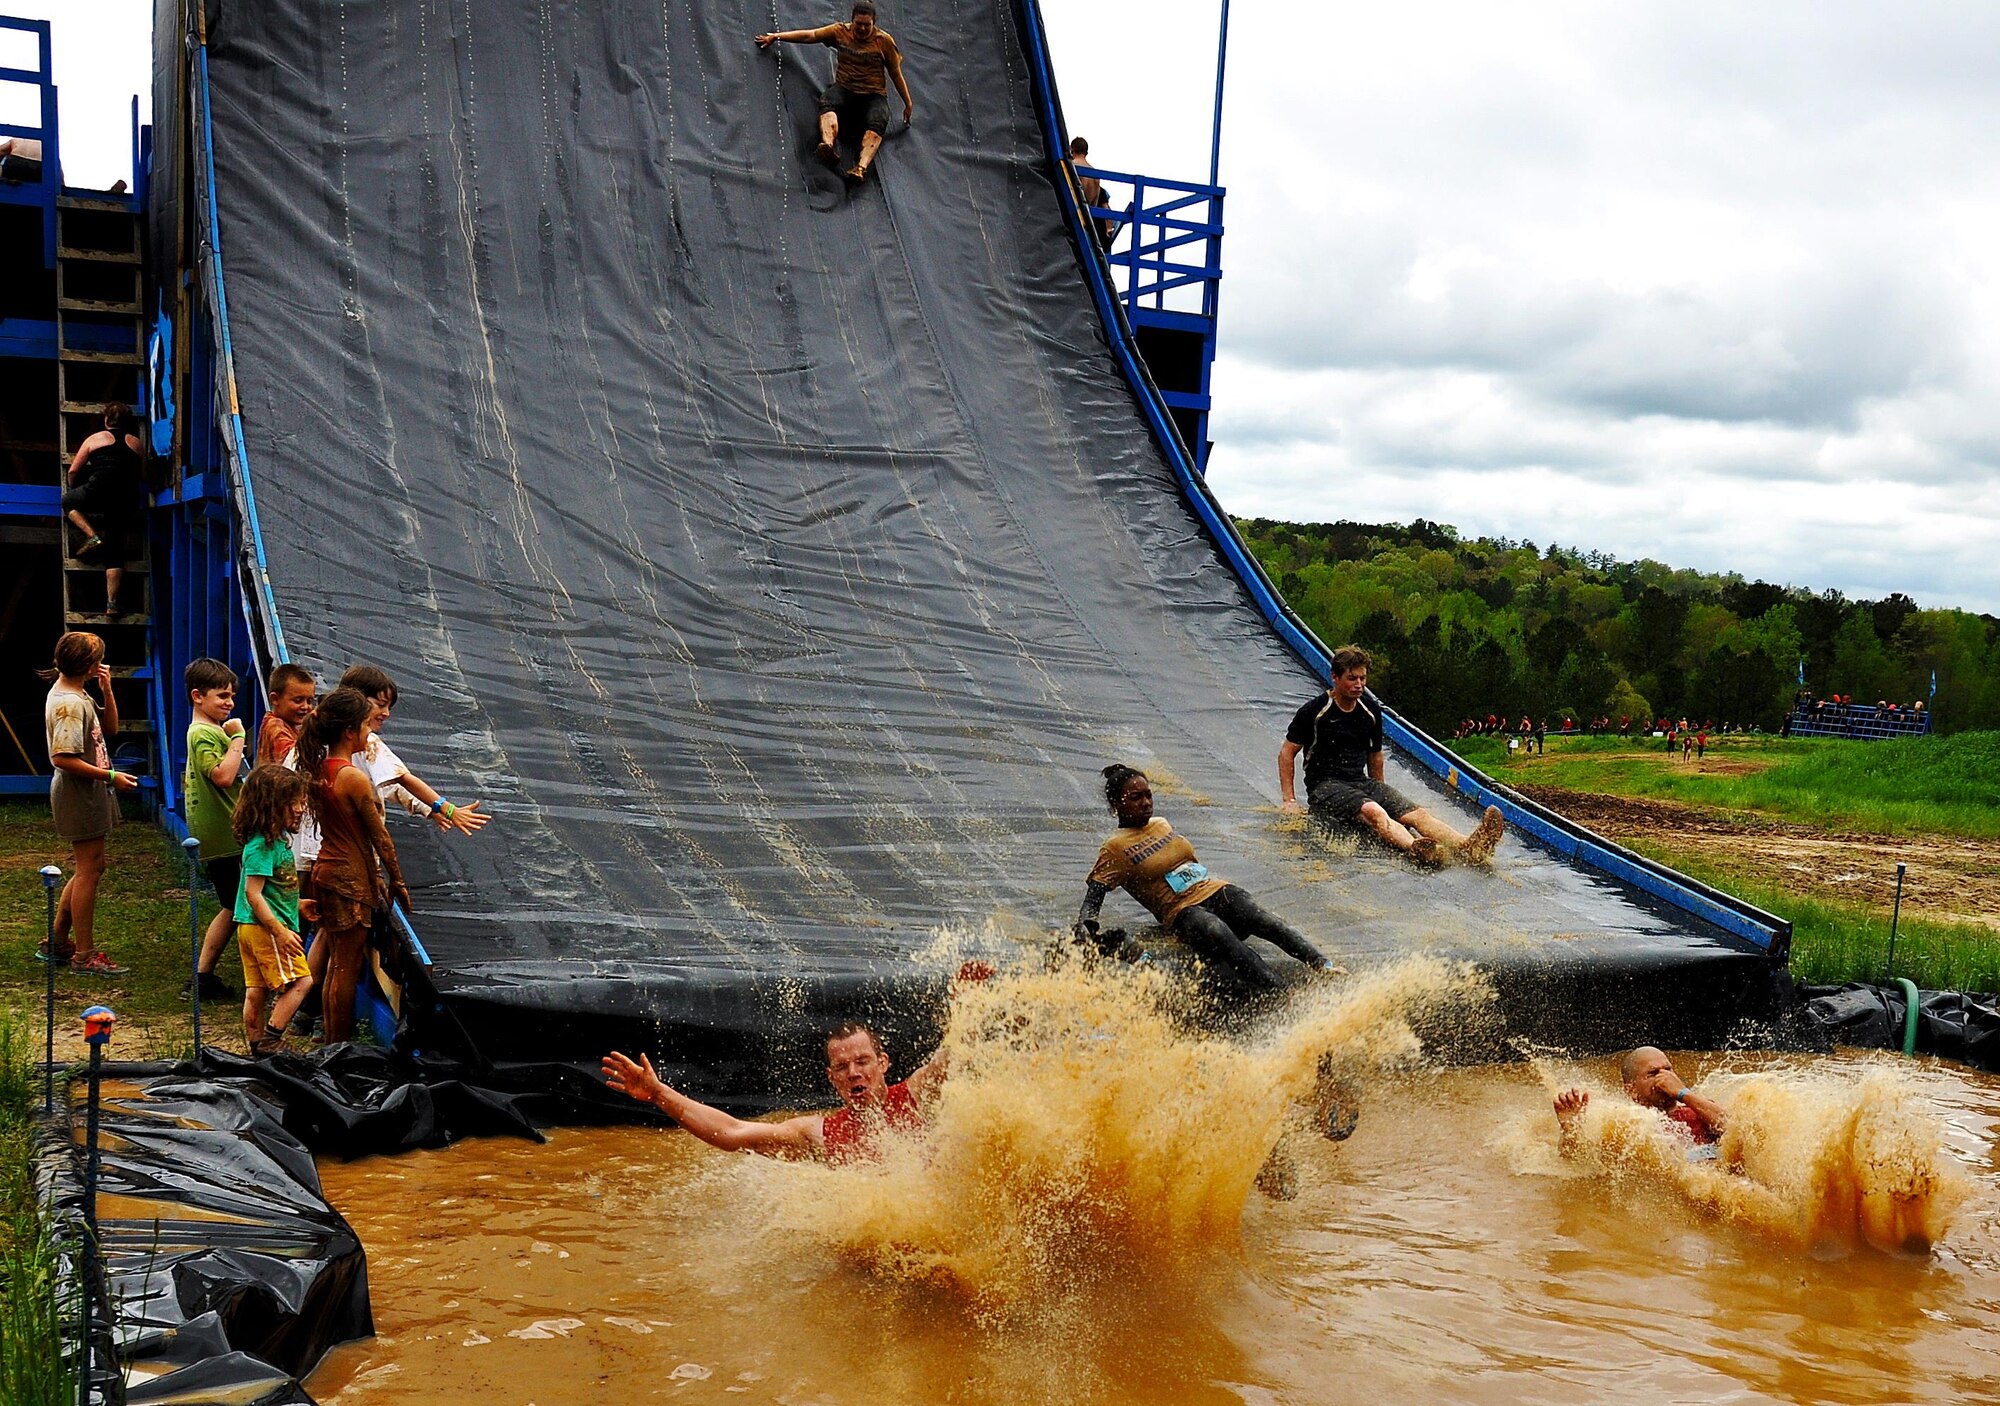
x=850, y=1137
x=1696, y=1125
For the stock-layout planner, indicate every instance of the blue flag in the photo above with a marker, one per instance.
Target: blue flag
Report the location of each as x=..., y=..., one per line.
x=1802, y=672
x=1934, y=683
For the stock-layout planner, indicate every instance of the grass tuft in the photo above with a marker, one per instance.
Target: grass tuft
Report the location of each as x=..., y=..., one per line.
x=34, y=1303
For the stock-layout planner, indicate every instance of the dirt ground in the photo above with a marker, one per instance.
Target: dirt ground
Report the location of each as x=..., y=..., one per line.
x=1950, y=879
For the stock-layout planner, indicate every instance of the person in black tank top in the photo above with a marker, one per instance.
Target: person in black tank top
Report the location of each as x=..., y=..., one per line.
x=1340, y=733
x=105, y=497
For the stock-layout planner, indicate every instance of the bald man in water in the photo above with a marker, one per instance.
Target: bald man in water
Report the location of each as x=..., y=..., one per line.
x=857, y=1065
x=1650, y=1081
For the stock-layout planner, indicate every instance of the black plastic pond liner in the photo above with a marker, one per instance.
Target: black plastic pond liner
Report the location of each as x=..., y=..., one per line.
x=1950, y=1024
x=227, y=1272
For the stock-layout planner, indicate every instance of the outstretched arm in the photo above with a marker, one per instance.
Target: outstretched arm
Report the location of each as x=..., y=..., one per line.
x=790, y=36
x=924, y=1083
x=795, y=1137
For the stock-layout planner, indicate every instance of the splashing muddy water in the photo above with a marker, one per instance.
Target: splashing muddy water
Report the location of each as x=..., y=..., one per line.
x=1085, y=1136
x=1826, y=1163
x=1082, y=1227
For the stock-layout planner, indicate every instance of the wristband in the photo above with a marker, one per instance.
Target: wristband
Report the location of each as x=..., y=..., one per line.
x=436, y=805
x=1682, y=1096
x=111, y=776
x=450, y=810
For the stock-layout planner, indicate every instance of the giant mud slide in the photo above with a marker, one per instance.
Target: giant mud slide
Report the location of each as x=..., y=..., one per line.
x=780, y=565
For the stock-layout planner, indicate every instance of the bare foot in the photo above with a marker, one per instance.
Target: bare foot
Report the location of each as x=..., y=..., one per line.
x=1480, y=844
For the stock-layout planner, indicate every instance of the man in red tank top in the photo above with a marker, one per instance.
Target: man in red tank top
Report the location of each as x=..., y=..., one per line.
x=858, y=1068
x=1650, y=1081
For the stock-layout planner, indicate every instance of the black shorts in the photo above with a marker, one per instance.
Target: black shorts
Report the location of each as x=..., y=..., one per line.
x=225, y=876
x=1341, y=797
x=871, y=110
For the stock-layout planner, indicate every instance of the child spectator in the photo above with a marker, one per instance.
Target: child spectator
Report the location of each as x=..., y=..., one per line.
x=292, y=691
x=267, y=906
x=210, y=785
x=347, y=889
x=83, y=793
x=394, y=780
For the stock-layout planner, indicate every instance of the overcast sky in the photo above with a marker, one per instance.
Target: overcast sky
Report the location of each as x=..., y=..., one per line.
x=1710, y=283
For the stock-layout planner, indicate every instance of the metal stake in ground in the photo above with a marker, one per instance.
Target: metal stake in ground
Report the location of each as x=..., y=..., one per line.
x=1895, y=918
x=193, y=848
x=97, y=1023
x=50, y=874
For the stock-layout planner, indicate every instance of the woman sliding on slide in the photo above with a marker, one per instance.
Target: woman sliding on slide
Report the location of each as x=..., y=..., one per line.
x=1158, y=867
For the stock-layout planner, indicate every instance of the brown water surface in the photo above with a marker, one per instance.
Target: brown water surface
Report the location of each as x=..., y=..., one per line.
x=1436, y=1256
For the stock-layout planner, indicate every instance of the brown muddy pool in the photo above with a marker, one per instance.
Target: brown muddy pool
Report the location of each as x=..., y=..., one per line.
x=1439, y=1255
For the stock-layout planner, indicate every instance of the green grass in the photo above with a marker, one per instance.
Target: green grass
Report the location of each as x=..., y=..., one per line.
x=1836, y=941
x=33, y=1304
x=142, y=921
x=1910, y=786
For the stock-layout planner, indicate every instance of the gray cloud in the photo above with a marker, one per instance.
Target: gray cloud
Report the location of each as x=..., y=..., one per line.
x=1710, y=284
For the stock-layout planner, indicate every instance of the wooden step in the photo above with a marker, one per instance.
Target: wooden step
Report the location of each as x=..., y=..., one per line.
x=140, y=569
x=137, y=620
x=136, y=726
x=97, y=256
x=96, y=358
x=93, y=305
x=109, y=204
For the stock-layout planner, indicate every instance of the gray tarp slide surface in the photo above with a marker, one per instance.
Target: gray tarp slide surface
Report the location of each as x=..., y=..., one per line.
x=779, y=565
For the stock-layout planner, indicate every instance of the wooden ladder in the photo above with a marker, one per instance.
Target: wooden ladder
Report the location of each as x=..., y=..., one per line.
x=101, y=357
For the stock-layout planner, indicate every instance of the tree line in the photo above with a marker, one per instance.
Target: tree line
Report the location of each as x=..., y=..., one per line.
x=1466, y=628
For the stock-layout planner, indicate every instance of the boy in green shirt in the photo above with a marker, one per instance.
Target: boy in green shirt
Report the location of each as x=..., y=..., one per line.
x=212, y=782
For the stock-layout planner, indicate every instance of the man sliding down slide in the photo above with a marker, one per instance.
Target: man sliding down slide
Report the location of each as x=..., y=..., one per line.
x=858, y=1068
x=1340, y=733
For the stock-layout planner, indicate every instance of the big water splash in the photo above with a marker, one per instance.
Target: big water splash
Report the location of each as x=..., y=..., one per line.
x=1086, y=1135
x=1826, y=1163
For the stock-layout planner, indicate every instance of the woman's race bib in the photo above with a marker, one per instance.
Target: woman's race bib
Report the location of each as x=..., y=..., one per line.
x=1183, y=877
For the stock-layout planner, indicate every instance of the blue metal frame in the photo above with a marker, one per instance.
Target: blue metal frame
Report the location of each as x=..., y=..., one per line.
x=44, y=191
x=1764, y=930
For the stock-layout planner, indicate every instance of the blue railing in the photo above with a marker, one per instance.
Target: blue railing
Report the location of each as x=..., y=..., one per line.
x=1168, y=237
x=1863, y=722
x=42, y=76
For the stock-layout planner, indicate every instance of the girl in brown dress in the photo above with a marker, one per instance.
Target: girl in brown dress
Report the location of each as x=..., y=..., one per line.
x=348, y=886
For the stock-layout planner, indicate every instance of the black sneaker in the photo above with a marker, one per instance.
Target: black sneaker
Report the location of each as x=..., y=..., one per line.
x=213, y=988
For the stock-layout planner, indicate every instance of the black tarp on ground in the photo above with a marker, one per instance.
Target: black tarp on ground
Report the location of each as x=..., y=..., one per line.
x=1951, y=1024
x=228, y=1273
x=779, y=565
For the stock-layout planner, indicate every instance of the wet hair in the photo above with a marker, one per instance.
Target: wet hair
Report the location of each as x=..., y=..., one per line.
x=285, y=675
x=342, y=711
x=204, y=675
x=117, y=417
x=1628, y=1067
x=265, y=806
x=863, y=7
x=1349, y=657
x=1078, y=147
x=856, y=1027
x=1116, y=777
x=77, y=654
x=366, y=678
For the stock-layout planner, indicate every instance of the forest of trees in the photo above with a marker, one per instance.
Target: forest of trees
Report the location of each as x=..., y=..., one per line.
x=1467, y=628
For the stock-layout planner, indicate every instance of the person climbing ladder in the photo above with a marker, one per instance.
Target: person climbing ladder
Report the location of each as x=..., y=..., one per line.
x=867, y=61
